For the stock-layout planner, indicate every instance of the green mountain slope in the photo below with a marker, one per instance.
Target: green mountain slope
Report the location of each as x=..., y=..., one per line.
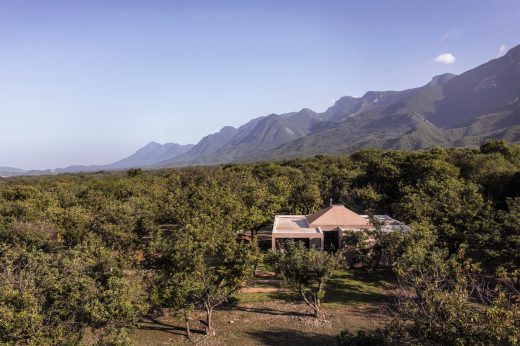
x=451, y=110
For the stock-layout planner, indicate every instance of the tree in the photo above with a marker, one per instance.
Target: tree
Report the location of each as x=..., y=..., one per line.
x=134, y=172
x=445, y=300
x=496, y=146
x=372, y=248
x=367, y=197
x=203, y=266
x=222, y=272
x=48, y=298
x=174, y=286
x=363, y=338
x=359, y=249
x=305, y=271
x=454, y=207
x=448, y=300
x=506, y=251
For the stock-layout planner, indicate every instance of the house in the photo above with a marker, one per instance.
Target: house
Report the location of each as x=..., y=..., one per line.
x=324, y=229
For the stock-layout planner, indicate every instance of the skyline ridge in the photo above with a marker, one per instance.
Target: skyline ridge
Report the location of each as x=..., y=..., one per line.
x=279, y=130
x=89, y=82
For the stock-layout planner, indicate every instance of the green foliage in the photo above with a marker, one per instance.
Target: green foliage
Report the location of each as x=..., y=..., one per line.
x=370, y=249
x=173, y=231
x=33, y=234
x=115, y=337
x=305, y=271
x=134, y=172
x=506, y=248
x=495, y=146
x=449, y=301
x=455, y=207
x=446, y=301
x=202, y=266
x=359, y=250
x=50, y=298
x=363, y=338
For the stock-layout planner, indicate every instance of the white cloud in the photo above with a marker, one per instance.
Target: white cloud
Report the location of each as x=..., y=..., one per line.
x=502, y=50
x=451, y=35
x=445, y=58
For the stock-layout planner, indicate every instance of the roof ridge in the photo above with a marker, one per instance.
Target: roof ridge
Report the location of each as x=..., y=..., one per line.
x=314, y=216
x=340, y=216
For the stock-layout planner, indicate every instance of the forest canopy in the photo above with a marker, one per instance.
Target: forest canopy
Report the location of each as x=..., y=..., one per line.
x=75, y=249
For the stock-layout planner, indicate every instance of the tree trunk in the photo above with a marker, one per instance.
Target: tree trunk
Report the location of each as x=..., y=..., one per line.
x=316, y=307
x=208, y=327
x=187, y=321
x=313, y=302
x=317, y=312
x=317, y=302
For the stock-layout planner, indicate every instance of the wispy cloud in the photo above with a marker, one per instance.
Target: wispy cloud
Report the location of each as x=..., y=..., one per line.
x=451, y=35
x=502, y=50
x=445, y=58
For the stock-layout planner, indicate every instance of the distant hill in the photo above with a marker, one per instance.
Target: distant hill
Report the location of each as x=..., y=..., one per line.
x=152, y=153
x=148, y=155
x=10, y=171
x=206, y=146
x=450, y=111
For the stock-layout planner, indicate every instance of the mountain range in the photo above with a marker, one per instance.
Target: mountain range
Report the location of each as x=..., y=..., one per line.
x=450, y=111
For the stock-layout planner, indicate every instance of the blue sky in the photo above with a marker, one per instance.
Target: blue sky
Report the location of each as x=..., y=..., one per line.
x=89, y=82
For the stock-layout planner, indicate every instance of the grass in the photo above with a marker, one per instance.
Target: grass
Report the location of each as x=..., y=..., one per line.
x=345, y=287
x=265, y=285
x=357, y=287
x=262, y=297
x=280, y=318
x=268, y=323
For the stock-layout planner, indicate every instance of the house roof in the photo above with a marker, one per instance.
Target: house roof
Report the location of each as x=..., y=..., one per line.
x=294, y=226
x=328, y=219
x=336, y=215
x=293, y=223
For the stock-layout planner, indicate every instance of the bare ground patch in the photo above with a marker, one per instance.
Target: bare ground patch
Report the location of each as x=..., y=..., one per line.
x=269, y=323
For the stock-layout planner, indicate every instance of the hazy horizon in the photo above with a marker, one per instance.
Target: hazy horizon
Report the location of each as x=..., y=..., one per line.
x=92, y=82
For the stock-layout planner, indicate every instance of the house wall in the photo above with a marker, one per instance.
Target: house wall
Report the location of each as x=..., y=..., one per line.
x=315, y=240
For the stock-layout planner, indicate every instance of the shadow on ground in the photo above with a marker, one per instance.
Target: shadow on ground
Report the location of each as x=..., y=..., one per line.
x=344, y=288
x=255, y=297
x=357, y=287
x=269, y=311
x=291, y=337
x=380, y=277
x=151, y=323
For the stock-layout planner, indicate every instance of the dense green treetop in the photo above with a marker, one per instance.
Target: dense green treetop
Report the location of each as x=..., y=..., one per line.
x=105, y=234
